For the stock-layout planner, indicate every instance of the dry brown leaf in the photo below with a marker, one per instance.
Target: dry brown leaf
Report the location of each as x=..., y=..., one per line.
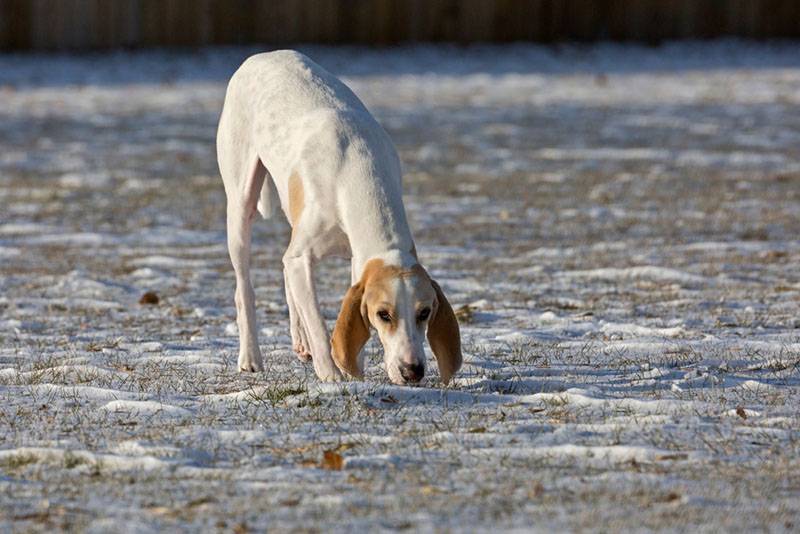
x=430, y=490
x=464, y=314
x=343, y=447
x=149, y=298
x=537, y=489
x=676, y=456
x=332, y=460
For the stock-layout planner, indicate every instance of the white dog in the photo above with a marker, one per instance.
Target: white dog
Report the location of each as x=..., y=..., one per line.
x=293, y=132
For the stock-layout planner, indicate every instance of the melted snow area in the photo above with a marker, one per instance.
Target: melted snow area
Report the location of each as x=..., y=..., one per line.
x=618, y=227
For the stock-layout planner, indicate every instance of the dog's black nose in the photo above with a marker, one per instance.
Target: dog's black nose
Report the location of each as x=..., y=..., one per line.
x=412, y=372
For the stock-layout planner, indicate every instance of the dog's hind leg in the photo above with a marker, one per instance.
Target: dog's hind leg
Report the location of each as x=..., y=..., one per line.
x=242, y=203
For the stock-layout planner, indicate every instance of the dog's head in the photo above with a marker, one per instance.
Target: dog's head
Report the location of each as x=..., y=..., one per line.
x=400, y=304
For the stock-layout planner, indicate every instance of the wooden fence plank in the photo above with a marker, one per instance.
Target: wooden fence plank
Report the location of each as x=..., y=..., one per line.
x=79, y=24
x=5, y=24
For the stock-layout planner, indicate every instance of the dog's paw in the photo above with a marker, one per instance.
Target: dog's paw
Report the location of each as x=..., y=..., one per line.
x=250, y=364
x=330, y=375
x=302, y=354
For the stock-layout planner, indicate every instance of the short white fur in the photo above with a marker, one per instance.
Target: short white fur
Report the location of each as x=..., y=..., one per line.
x=283, y=115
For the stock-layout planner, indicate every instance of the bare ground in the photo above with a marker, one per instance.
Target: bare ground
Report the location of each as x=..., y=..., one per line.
x=617, y=227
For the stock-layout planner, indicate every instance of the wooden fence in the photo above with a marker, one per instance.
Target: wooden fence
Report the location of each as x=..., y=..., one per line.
x=87, y=24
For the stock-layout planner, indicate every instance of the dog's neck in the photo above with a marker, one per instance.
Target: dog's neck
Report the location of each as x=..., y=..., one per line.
x=377, y=228
x=395, y=257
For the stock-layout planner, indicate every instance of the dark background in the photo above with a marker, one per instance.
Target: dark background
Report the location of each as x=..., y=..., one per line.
x=96, y=24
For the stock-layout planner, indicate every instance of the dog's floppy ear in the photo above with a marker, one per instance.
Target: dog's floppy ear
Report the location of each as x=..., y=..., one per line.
x=350, y=333
x=444, y=336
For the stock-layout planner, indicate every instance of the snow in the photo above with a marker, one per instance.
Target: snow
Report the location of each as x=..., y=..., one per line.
x=616, y=225
x=648, y=272
x=137, y=408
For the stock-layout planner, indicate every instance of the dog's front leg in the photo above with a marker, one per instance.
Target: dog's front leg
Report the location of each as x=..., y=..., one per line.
x=300, y=342
x=300, y=281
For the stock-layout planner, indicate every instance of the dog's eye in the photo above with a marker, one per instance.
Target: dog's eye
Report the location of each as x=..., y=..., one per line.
x=424, y=314
x=385, y=317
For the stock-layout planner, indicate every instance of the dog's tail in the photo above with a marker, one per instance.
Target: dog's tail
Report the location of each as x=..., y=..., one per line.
x=268, y=198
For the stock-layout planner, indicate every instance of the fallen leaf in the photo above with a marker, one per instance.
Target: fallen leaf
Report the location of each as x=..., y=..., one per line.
x=429, y=490
x=161, y=511
x=477, y=430
x=149, y=298
x=332, y=460
x=676, y=456
x=741, y=413
x=200, y=502
x=343, y=447
x=464, y=314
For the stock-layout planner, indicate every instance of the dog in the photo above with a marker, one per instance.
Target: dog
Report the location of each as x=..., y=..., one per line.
x=292, y=133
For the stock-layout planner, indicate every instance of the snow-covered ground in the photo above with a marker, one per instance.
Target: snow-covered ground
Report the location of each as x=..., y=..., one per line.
x=618, y=226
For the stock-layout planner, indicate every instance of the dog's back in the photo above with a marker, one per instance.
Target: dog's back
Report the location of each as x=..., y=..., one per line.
x=290, y=115
x=281, y=99
x=288, y=81
x=284, y=109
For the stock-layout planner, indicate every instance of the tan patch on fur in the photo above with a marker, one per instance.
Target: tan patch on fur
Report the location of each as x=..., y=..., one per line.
x=296, y=198
x=377, y=273
x=444, y=336
x=351, y=331
x=352, y=326
x=376, y=270
x=377, y=280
